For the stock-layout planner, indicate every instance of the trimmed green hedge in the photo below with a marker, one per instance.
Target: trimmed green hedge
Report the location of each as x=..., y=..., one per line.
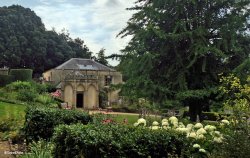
x=75, y=141
x=6, y=79
x=40, y=122
x=22, y=74
x=212, y=116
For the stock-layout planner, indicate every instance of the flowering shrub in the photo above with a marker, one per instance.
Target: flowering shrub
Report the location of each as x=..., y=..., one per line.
x=236, y=131
x=202, y=138
x=56, y=94
x=140, y=121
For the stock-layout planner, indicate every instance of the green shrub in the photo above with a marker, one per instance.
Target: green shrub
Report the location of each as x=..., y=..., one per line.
x=10, y=127
x=40, y=122
x=19, y=85
x=45, y=99
x=40, y=149
x=133, y=108
x=26, y=91
x=7, y=124
x=22, y=74
x=50, y=87
x=115, y=141
x=27, y=96
x=236, y=140
x=16, y=136
x=212, y=116
x=6, y=79
x=40, y=88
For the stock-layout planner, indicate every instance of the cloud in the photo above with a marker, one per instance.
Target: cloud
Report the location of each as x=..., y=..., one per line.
x=97, y=22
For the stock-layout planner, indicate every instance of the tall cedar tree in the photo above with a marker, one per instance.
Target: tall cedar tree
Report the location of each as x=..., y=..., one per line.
x=179, y=47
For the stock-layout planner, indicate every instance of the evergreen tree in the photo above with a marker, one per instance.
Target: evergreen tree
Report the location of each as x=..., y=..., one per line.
x=101, y=57
x=179, y=47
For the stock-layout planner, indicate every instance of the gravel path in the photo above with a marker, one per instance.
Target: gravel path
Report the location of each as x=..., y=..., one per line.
x=4, y=149
x=113, y=113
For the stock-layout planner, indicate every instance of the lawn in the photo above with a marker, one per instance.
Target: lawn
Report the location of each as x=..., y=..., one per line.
x=131, y=118
x=11, y=110
x=12, y=117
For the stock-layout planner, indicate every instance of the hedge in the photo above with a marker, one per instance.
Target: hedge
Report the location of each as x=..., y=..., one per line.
x=22, y=74
x=75, y=141
x=6, y=79
x=214, y=116
x=40, y=122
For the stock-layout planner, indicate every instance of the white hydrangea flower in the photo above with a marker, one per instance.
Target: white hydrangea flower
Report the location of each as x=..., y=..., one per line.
x=218, y=139
x=190, y=125
x=166, y=127
x=155, y=123
x=181, y=125
x=196, y=146
x=155, y=127
x=173, y=119
x=191, y=135
x=225, y=122
x=164, y=124
x=142, y=121
x=164, y=120
x=189, y=130
x=136, y=124
x=210, y=128
x=175, y=124
x=202, y=150
x=201, y=131
x=182, y=130
x=200, y=136
x=217, y=133
x=198, y=125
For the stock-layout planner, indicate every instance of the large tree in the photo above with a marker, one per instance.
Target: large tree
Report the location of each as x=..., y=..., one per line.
x=25, y=43
x=179, y=47
x=101, y=57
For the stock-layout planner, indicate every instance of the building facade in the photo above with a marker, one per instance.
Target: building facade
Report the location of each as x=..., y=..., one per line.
x=82, y=80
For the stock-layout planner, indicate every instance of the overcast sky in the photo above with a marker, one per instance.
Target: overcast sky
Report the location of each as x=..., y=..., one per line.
x=97, y=22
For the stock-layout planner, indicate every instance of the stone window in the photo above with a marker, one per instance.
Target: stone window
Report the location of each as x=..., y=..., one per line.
x=108, y=80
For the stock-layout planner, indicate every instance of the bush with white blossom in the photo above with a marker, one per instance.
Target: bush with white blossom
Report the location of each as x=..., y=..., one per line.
x=197, y=133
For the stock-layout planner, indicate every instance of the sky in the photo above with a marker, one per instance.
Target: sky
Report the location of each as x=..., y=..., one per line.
x=97, y=22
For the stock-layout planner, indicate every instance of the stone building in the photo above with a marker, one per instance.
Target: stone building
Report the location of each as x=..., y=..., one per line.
x=81, y=81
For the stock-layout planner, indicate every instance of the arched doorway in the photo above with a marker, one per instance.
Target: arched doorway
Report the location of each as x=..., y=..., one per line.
x=80, y=97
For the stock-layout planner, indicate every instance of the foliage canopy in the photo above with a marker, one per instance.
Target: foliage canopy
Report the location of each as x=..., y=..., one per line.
x=179, y=47
x=25, y=43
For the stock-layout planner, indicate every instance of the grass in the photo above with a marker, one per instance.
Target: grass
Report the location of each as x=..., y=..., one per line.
x=131, y=119
x=12, y=117
x=8, y=110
